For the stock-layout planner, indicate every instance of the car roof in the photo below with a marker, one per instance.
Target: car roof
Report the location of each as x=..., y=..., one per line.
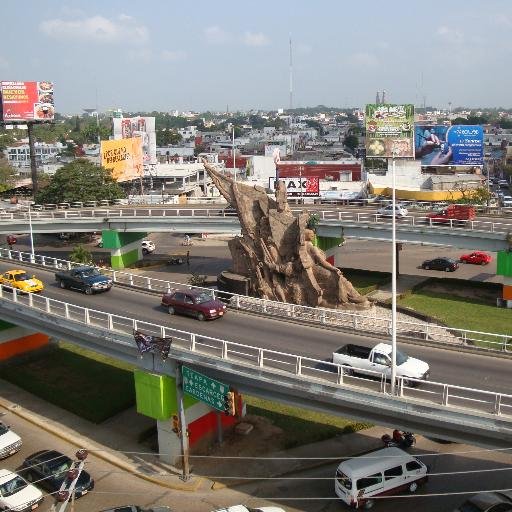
x=15, y=271
x=487, y=499
x=192, y=292
x=374, y=462
x=6, y=475
x=52, y=457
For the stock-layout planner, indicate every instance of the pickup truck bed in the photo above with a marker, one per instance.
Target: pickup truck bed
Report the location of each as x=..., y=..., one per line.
x=354, y=351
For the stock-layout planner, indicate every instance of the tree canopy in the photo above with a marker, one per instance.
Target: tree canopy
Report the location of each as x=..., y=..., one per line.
x=80, y=180
x=7, y=175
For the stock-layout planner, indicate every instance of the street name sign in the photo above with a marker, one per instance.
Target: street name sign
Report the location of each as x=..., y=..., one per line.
x=205, y=389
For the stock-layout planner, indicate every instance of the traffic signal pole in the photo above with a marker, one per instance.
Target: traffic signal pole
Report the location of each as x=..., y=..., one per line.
x=183, y=434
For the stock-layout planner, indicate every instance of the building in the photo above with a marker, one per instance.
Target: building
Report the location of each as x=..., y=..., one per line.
x=19, y=155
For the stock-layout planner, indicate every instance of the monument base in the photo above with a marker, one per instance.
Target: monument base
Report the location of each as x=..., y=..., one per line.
x=228, y=281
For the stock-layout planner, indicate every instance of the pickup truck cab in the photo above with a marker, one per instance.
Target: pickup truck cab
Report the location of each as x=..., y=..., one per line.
x=369, y=361
x=86, y=279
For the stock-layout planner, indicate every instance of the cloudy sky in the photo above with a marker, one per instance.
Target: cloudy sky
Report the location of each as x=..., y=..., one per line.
x=204, y=55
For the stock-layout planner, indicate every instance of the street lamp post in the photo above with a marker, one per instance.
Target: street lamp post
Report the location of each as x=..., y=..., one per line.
x=393, y=279
x=32, y=254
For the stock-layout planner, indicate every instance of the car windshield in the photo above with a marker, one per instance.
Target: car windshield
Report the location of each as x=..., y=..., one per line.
x=401, y=358
x=21, y=277
x=343, y=480
x=203, y=297
x=63, y=467
x=12, y=486
x=89, y=272
x=3, y=429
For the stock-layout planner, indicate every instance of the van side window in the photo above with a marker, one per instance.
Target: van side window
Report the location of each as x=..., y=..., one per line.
x=393, y=472
x=413, y=465
x=369, y=481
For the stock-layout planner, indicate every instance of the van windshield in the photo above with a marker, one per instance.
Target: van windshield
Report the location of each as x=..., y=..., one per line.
x=343, y=480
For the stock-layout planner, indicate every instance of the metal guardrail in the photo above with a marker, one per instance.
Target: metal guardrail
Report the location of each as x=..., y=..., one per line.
x=346, y=320
x=332, y=215
x=275, y=363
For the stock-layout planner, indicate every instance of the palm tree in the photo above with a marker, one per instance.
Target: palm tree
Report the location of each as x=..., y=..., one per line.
x=80, y=254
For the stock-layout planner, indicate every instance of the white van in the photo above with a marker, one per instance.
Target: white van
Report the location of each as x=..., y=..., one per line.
x=386, y=471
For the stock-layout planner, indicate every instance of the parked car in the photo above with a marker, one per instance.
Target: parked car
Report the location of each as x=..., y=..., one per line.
x=477, y=258
x=20, y=280
x=49, y=469
x=86, y=279
x=387, y=211
x=10, y=442
x=16, y=494
x=147, y=246
x=243, y=508
x=446, y=264
x=487, y=502
x=506, y=201
x=136, y=508
x=503, y=183
x=198, y=303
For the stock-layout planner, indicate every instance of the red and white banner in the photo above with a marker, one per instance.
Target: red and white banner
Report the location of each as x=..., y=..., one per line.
x=27, y=101
x=301, y=186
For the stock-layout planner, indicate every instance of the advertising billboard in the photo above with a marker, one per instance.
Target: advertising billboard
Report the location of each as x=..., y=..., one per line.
x=27, y=101
x=389, y=131
x=454, y=145
x=142, y=127
x=123, y=157
x=299, y=186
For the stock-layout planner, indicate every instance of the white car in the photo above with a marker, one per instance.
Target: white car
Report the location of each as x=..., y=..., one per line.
x=147, y=246
x=10, y=442
x=243, y=508
x=16, y=494
x=387, y=211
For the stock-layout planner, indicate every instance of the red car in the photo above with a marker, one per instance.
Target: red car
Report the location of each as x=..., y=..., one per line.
x=477, y=258
x=198, y=303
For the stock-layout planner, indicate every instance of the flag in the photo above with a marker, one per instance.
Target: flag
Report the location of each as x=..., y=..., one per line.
x=149, y=343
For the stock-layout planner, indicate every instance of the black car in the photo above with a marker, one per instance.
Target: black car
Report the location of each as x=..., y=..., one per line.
x=48, y=469
x=446, y=264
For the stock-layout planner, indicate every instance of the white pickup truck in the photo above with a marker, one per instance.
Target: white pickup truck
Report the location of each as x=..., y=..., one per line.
x=364, y=360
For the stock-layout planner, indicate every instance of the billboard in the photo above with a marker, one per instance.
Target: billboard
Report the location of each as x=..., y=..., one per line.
x=389, y=131
x=27, y=101
x=299, y=186
x=123, y=157
x=142, y=127
x=455, y=145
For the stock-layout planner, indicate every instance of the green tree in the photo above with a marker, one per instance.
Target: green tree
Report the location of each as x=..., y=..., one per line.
x=80, y=254
x=80, y=180
x=7, y=175
x=351, y=141
x=505, y=123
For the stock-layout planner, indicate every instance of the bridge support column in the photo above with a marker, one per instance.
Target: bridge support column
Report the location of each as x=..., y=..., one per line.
x=156, y=398
x=504, y=268
x=126, y=248
x=16, y=340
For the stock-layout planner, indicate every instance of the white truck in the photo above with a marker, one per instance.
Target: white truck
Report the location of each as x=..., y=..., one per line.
x=370, y=361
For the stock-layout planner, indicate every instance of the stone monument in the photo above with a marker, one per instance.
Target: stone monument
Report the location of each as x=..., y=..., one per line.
x=276, y=253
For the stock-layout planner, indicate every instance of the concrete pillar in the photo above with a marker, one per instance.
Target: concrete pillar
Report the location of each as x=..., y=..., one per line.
x=16, y=340
x=332, y=248
x=126, y=248
x=504, y=268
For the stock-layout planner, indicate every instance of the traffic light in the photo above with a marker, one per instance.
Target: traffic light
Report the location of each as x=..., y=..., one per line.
x=229, y=404
x=176, y=427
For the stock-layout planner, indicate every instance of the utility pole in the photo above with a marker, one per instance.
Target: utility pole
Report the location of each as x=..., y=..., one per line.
x=33, y=164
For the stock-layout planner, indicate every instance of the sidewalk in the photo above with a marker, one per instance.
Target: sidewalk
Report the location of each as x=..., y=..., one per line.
x=112, y=440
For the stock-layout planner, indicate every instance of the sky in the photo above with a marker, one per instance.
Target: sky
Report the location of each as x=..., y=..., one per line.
x=203, y=55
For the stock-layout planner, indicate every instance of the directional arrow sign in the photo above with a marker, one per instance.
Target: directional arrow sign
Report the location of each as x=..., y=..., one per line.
x=203, y=388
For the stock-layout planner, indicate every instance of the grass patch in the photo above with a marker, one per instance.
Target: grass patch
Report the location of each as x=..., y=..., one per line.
x=86, y=384
x=366, y=281
x=301, y=426
x=461, y=312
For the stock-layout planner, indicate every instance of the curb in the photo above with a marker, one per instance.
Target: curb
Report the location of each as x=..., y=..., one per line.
x=105, y=456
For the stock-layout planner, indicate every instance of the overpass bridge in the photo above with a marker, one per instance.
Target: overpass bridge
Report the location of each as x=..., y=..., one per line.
x=482, y=234
x=433, y=408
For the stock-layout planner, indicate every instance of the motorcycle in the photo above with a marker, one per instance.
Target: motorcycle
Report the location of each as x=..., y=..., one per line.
x=399, y=439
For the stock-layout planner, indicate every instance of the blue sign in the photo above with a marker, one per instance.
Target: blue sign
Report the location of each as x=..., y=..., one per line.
x=454, y=145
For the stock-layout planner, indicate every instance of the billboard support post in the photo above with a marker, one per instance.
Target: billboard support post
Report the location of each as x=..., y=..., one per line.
x=33, y=165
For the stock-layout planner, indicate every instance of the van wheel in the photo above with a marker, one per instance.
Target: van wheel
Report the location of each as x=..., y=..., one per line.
x=413, y=487
x=369, y=504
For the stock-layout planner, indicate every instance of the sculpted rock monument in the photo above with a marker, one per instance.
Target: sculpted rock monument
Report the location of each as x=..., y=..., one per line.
x=276, y=251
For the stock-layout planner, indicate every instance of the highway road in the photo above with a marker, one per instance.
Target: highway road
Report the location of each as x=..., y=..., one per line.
x=469, y=370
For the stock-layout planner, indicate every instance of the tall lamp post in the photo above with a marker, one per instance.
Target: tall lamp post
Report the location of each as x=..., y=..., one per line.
x=32, y=254
x=393, y=278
